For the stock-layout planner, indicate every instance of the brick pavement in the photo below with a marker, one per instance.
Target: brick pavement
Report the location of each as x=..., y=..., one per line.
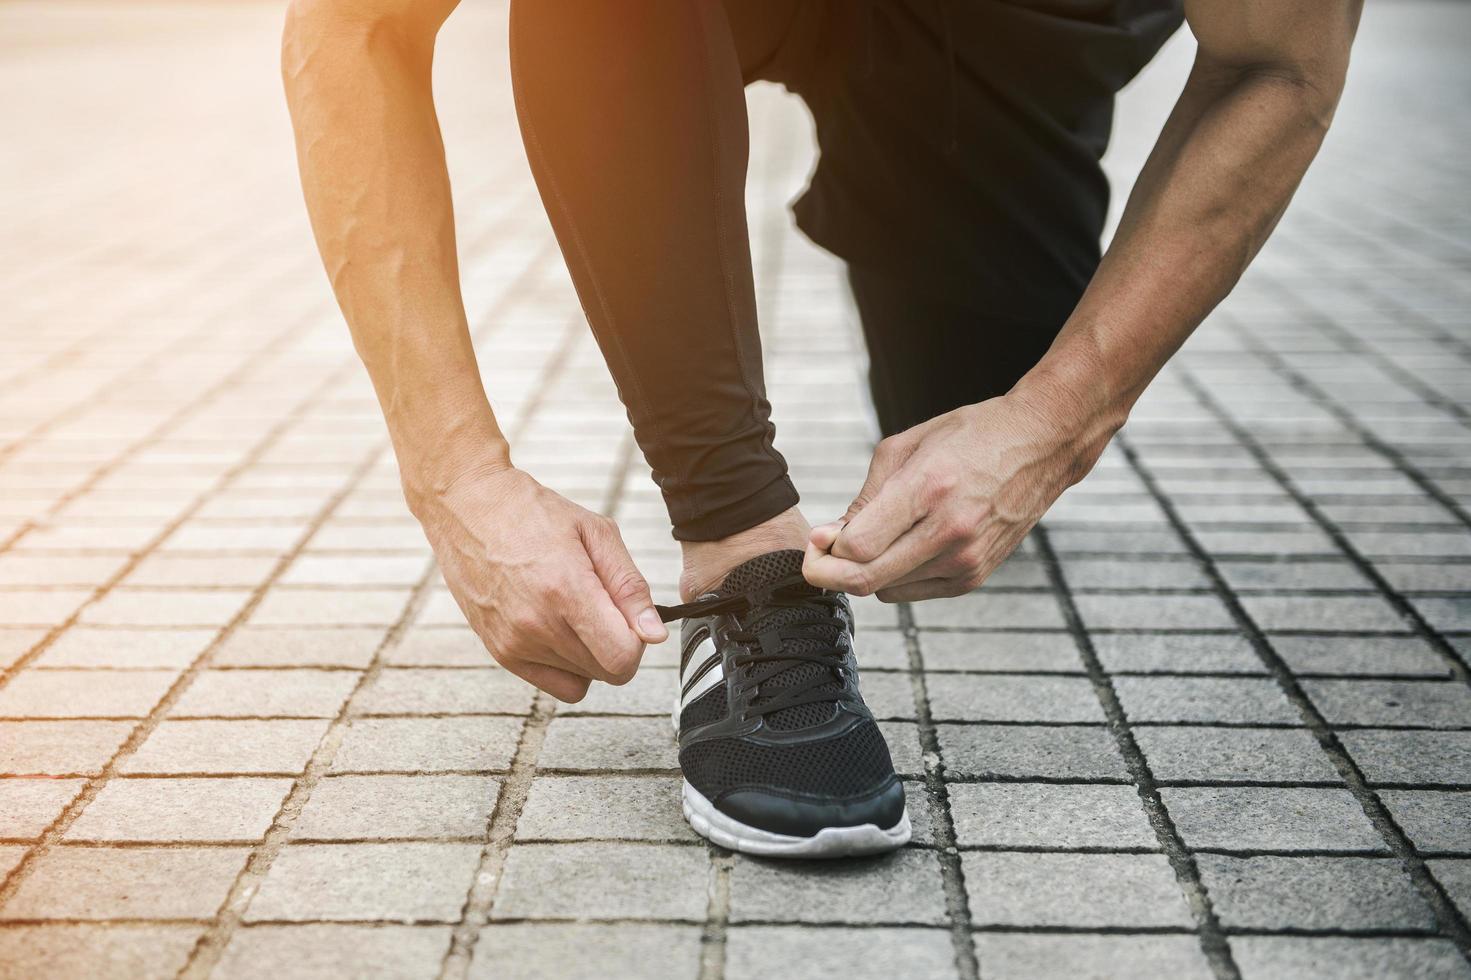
x=1214, y=719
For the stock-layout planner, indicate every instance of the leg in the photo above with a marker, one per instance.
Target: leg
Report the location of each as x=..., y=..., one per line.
x=635, y=124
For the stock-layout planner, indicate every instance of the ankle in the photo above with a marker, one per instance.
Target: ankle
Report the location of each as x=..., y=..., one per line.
x=706, y=563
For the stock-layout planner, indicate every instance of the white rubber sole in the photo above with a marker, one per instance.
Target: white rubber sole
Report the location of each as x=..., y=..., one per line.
x=829, y=842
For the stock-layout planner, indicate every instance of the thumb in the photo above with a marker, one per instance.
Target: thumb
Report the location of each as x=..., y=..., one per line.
x=888, y=456
x=622, y=580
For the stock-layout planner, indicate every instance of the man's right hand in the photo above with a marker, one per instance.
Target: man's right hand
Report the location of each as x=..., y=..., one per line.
x=548, y=585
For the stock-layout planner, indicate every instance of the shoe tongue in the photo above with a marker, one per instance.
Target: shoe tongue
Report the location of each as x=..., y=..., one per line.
x=764, y=570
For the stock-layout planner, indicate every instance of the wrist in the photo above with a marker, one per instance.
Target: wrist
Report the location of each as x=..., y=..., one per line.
x=432, y=462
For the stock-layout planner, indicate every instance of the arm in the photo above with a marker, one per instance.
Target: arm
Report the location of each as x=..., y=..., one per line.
x=947, y=501
x=547, y=585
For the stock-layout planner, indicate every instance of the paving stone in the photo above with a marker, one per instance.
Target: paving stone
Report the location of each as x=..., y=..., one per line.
x=1087, y=890
x=59, y=748
x=81, y=647
x=876, y=649
x=428, y=744
x=591, y=807
x=345, y=647
x=16, y=643
x=1321, y=612
x=1149, y=612
x=991, y=610
x=904, y=747
x=281, y=746
x=1454, y=876
x=325, y=607
x=1130, y=541
x=412, y=691
x=10, y=857
x=1020, y=751
x=84, y=693
x=1000, y=697
x=1176, y=653
x=651, y=692
x=181, y=810
x=1260, y=818
x=1242, y=700
x=326, y=952
x=1288, y=576
x=1234, y=754
x=266, y=694
x=1410, y=757
x=1042, y=956
x=1429, y=576
x=902, y=887
x=586, y=951
x=1303, y=541
x=165, y=607
x=762, y=952
x=1037, y=653
x=132, y=883
x=602, y=881
x=72, y=951
x=1434, y=821
x=1344, y=958
x=402, y=881
x=438, y=647
x=29, y=805
x=369, y=807
x=1045, y=815
x=609, y=743
x=1438, y=704
x=40, y=607
x=1083, y=574
x=174, y=570
x=1359, y=655
x=1314, y=893
x=355, y=570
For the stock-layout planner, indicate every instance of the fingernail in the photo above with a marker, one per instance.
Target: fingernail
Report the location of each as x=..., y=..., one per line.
x=651, y=625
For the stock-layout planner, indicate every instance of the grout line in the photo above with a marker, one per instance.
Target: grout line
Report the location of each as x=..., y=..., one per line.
x=1212, y=938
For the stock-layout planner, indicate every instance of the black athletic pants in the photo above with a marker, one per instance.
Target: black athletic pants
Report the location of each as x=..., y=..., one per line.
x=958, y=177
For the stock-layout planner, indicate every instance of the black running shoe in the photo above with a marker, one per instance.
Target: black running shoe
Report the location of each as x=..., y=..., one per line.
x=780, y=755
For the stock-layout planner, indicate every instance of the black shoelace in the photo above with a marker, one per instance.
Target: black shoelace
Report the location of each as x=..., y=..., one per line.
x=763, y=654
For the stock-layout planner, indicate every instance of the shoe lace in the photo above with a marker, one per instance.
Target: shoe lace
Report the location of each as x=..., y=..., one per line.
x=810, y=636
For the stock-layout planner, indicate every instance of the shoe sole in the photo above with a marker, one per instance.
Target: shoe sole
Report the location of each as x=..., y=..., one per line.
x=829, y=842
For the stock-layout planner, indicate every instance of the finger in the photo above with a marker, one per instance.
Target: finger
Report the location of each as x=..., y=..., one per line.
x=893, y=511
x=599, y=627
x=625, y=585
x=930, y=588
x=823, y=535
x=560, y=684
x=888, y=456
x=918, y=545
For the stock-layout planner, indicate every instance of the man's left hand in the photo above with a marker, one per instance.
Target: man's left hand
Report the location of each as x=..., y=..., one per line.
x=947, y=501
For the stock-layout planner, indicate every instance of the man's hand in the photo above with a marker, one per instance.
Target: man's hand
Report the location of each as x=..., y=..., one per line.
x=948, y=500
x=548, y=586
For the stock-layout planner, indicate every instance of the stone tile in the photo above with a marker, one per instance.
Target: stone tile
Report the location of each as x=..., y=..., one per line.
x=1454, y=876
x=1221, y=699
x=1176, y=653
x=428, y=744
x=1320, y=612
x=266, y=694
x=1429, y=576
x=991, y=610
x=439, y=647
x=1270, y=819
x=1043, y=956
x=651, y=692
x=10, y=858
x=193, y=809
x=1234, y=754
x=282, y=746
x=1044, y=815
x=16, y=643
x=1021, y=751
x=1151, y=612
x=1088, y=890
x=326, y=607
x=59, y=748
x=904, y=748
x=1103, y=573
x=762, y=952
x=1035, y=653
x=84, y=693
x=602, y=807
x=603, y=881
x=131, y=649
x=72, y=951
x=586, y=951
x=160, y=607
x=369, y=807
x=881, y=649
x=1433, y=820
x=901, y=887
x=174, y=570
x=58, y=569
x=1293, y=576
x=1314, y=893
x=29, y=806
x=40, y=607
x=131, y=883
x=1438, y=704
x=354, y=570
x=402, y=881
x=609, y=743
x=1359, y=655
x=1344, y=958
x=1012, y=698
x=413, y=691
x=258, y=647
x=1410, y=757
x=326, y=952
x=1447, y=613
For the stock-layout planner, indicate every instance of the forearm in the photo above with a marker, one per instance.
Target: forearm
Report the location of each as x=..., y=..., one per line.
x=1226, y=165
x=373, y=171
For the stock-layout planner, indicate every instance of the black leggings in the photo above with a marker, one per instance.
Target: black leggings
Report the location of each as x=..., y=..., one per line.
x=634, y=120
